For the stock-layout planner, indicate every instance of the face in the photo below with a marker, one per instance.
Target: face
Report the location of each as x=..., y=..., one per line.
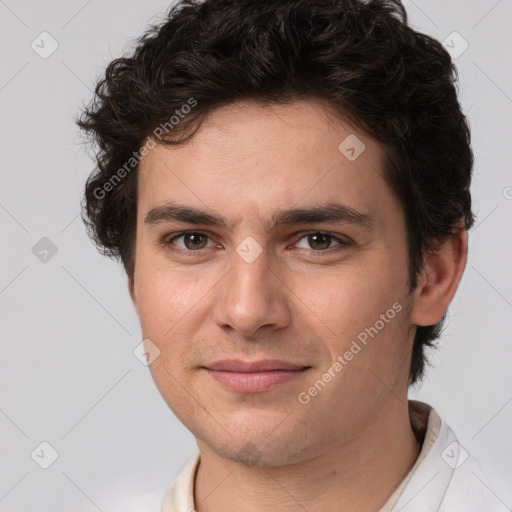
x=254, y=281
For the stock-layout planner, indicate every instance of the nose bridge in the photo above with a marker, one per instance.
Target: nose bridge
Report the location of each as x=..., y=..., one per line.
x=251, y=295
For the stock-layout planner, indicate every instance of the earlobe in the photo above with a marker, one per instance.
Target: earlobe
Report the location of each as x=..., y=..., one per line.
x=439, y=280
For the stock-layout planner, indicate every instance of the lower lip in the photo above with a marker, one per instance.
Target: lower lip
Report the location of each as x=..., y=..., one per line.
x=253, y=382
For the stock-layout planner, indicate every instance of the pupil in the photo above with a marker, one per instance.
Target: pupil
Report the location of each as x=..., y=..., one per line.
x=195, y=240
x=323, y=245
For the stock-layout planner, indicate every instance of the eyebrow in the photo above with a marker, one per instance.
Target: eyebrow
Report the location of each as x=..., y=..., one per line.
x=328, y=213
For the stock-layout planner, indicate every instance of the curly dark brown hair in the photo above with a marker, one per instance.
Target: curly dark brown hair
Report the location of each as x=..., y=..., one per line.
x=396, y=84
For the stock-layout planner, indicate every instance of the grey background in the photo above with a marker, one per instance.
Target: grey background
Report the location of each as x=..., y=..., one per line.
x=68, y=375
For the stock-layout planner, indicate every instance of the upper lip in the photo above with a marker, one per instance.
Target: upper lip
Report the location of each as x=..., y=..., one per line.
x=237, y=365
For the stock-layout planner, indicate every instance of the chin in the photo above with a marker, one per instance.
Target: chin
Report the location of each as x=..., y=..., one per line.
x=259, y=449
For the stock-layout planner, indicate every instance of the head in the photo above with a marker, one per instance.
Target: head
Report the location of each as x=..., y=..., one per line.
x=244, y=109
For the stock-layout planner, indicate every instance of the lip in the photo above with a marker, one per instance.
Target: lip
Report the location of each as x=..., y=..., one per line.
x=256, y=376
x=263, y=365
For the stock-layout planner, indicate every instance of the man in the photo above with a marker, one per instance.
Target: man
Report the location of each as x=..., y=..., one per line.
x=287, y=186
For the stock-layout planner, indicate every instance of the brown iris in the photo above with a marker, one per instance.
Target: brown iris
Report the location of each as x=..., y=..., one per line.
x=195, y=240
x=320, y=240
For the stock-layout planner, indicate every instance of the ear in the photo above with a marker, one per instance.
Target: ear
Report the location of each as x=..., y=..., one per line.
x=439, y=279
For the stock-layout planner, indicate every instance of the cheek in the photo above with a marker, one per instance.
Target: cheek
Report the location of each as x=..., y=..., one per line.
x=164, y=298
x=350, y=299
x=172, y=308
x=360, y=315
x=154, y=304
x=164, y=305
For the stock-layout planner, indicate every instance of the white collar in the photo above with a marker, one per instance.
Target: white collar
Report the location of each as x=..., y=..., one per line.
x=429, y=486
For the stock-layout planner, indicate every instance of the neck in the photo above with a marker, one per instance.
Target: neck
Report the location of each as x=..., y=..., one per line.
x=357, y=475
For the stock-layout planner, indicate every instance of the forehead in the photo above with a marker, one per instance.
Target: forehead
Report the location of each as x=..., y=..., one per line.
x=247, y=158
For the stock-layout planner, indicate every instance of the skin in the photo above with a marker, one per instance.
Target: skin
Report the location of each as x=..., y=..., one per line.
x=296, y=301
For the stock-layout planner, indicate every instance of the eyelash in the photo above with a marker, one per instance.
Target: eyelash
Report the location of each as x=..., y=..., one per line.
x=167, y=243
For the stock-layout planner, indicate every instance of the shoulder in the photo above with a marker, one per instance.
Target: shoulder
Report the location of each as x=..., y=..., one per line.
x=448, y=478
x=472, y=490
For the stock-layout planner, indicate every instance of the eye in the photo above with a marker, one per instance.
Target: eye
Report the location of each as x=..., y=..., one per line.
x=192, y=241
x=189, y=242
x=319, y=241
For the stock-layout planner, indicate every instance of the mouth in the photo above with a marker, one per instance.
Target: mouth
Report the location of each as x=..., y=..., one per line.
x=252, y=377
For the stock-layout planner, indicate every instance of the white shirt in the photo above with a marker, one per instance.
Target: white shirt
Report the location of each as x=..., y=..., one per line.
x=444, y=478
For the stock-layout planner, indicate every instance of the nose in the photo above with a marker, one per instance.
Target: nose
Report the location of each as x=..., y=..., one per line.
x=252, y=296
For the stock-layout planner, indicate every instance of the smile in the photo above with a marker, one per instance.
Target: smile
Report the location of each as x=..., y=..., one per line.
x=253, y=382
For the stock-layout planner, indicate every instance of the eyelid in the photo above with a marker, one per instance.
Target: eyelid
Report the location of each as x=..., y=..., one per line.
x=168, y=240
x=342, y=242
x=338, y=238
